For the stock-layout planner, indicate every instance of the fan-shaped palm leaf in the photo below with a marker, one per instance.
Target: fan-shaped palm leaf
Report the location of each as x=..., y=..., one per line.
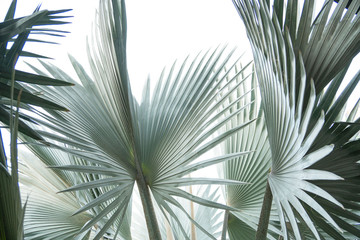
x=252, y=168
x=42, y=187
x=48, y=213
x=289, y=96
x=155, y=144
x=331, y=45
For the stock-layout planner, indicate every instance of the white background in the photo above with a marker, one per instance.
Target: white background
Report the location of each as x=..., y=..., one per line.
x=159, y=32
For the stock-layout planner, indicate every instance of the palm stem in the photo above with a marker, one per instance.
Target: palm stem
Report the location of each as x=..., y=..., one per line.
x=225, y=225
x=149, y=212
x=265, y=214
x=2, y=152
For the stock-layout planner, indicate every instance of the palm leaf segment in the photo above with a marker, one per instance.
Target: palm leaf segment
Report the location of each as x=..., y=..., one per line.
x=207, y=217
x=18, y=31
x=252, y=168
x=11, y=209
x=48, y=213
x=155, y=143
x=289, y=82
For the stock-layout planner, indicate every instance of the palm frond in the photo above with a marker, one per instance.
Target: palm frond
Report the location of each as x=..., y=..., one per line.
x=327, y=41
x=45, y=186
x=252, y=168
x=114, y=163
x=209, y=218
x=332, y=45
x=17, y=31
x=11, y=209
x=49, y=214
x=157, y=142
x=289, y=79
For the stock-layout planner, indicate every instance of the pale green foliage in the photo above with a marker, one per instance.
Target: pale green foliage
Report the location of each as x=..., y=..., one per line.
x=295, y=58
x=289, y=135
x=40, y=188
x=120, y=141
x=252, y=168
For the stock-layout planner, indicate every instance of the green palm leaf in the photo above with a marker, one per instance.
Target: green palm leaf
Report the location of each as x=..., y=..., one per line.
x=209, y=218
x=11, y=210
x=48, y=213
x=155, y=143
x=102, y=151
x=73, y=210
x=17, y=31
x=287, y=59
x=252, y=168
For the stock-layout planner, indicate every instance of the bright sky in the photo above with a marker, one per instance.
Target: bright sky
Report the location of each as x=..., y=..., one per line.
x=159, y=31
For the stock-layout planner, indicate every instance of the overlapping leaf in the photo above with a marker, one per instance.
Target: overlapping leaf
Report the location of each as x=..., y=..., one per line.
x=328, y=46
x=120, y=141
x=252, y=168
x=48, y=213
x=209, y=218
x=17, y=31
x=51, y=212
x=285, y=78
x=11, y=209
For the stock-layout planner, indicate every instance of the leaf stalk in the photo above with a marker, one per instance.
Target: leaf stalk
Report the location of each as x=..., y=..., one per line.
x=261, y=232
x=148, y=207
